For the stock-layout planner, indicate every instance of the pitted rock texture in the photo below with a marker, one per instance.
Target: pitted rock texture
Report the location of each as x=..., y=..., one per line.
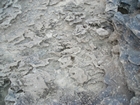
x=66, y=52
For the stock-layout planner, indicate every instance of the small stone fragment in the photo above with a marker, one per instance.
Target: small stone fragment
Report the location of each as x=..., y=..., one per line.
x=102, y=32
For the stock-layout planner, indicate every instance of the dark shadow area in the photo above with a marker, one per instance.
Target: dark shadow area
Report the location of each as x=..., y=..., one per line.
x=123, y=8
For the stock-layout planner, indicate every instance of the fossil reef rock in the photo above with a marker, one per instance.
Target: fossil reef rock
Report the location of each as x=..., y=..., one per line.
x=69, y=52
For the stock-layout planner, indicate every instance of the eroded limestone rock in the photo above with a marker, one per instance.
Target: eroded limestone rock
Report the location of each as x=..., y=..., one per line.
x=53, y=53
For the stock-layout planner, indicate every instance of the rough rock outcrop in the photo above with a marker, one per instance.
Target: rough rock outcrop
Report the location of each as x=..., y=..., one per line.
x=69, y=52
x=127, y=22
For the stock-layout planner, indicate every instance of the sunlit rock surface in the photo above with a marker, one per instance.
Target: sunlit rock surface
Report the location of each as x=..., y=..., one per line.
x=69, y=52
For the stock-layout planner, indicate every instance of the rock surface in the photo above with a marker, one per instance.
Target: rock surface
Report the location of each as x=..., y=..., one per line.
x=69, y=52
x=127, y=25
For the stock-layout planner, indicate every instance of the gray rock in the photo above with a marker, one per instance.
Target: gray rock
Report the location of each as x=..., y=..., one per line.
x=62, y=52
x=135, y=101
x=128, y=28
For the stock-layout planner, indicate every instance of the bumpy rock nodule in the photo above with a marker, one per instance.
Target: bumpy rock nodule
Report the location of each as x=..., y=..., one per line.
x=61, y=52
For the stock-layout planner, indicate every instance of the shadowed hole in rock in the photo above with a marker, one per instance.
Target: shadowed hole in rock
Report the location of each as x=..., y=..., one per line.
x=72, y=58
x=73, y=73
x=123, y=8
